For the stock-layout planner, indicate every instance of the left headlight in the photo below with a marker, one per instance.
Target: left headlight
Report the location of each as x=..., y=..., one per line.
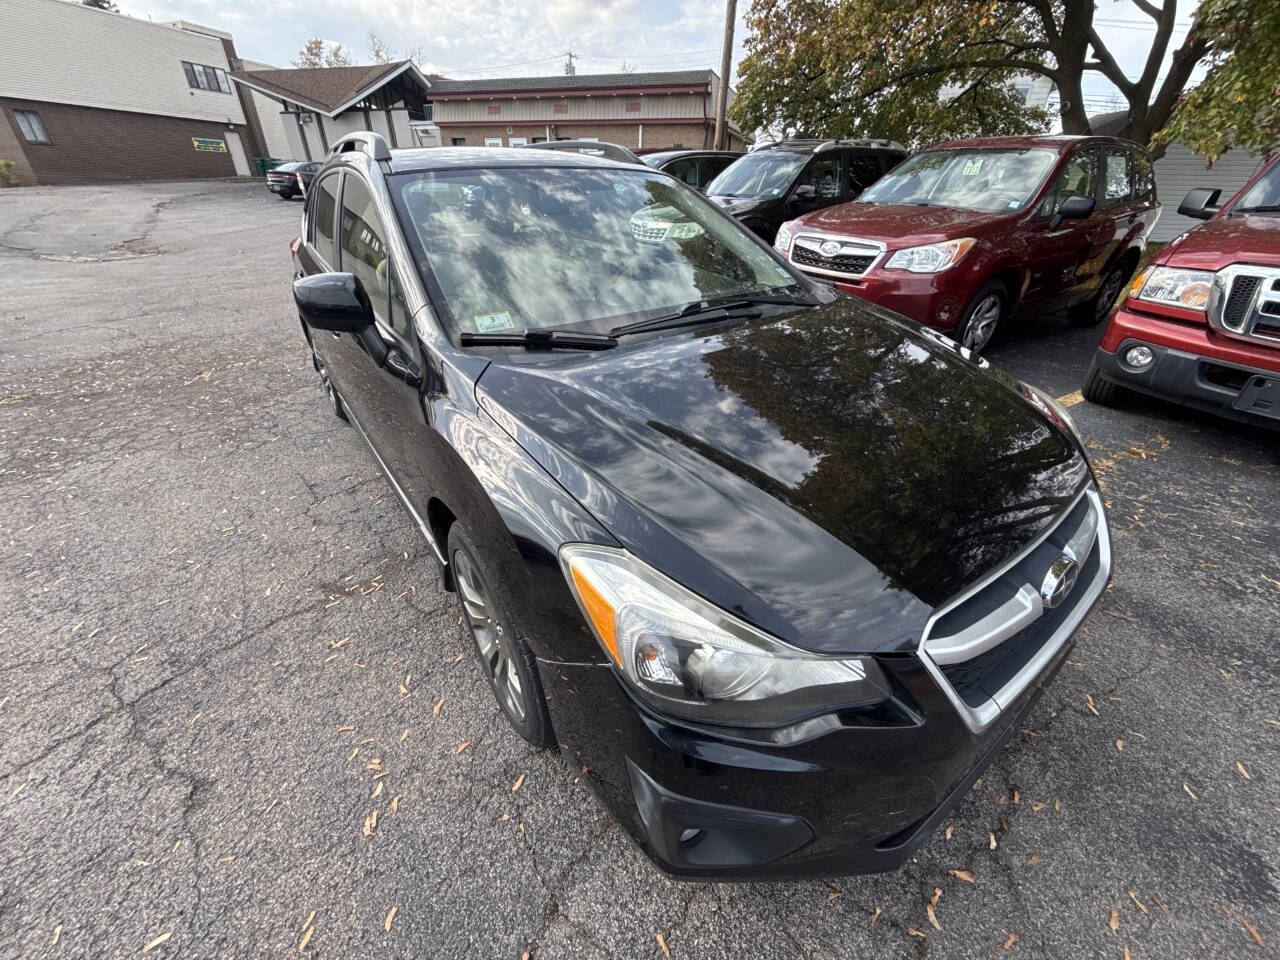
x=1050, y=407
x=782, y=242
x=688, y=658
x=932, y=257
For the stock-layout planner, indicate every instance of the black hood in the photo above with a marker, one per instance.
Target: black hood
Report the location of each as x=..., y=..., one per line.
x=831, y=475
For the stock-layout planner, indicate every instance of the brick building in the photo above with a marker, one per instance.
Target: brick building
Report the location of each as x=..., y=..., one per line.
x=636, y=110
x=90, y=96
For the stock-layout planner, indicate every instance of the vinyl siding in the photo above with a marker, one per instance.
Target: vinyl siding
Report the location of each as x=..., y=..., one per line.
x=61, y=52
x=578, y=109
x=1180, y=170
x=270, y=119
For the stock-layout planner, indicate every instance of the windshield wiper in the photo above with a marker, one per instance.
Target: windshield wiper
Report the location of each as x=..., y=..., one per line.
x=540, y=340
x=709, y=311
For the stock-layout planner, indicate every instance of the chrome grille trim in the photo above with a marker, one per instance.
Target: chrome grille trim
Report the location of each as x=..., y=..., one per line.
x=1025, y=608
x=1244, y=302
x=849, y=247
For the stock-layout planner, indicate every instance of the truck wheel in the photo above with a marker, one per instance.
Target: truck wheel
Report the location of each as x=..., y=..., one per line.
x=505, y=659
x=1097, y=389
x=1094, y=310
x=983, y=317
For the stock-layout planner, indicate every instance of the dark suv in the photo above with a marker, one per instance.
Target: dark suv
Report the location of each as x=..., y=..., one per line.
x=697, y=168
x=779, y=574
x=777, y=183
x=965, y=232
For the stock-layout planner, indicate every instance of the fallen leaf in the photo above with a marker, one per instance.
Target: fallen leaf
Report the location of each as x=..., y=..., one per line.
x=377, y=791
x=951, y=828
x=370, y=823
x=937, y=892
x=993, y=840
x=518, y=784
x=1088, y=702
x=1160, y=904
x=933, y=917
x=1017, y=798
x=1034, y=858
x=1127, y=954
x=1114, y=922
x=395, y=803
x=391, y=915
x=462, y=746
x=1010, y=940
x=307, y=922
x=57, y=932
x=1253, y=932
x=964, y=875
x=163, y=938
x=1119, y=744
x=227, y=859
x=662, y=942
x=1242, y=771
x=1038, y=806
x=306, y=938
x=526, y=955
x=439, y=705
x=1057, y=806
x=834, y=894
x=876, y=916
x=913, y=932
x=346, y=728
x=1190, y=792
x=405, y=735
x=1134, y=897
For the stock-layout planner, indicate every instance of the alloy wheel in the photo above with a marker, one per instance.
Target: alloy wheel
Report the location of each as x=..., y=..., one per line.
x=491, y=641
x=982, y=323
x=1107, y=295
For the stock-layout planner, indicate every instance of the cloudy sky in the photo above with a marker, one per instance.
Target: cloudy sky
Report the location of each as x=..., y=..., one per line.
x=476, y=38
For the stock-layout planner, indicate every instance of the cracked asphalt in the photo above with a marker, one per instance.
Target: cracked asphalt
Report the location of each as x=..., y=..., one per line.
x=225, y=648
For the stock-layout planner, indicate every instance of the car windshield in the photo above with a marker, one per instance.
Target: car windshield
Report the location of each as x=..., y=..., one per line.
x=767, y=173
x=529, y=248
x=989, y=180
x=1263, y=196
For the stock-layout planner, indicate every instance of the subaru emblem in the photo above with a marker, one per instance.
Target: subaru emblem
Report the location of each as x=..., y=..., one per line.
x=829, y=248
x=1059, y=581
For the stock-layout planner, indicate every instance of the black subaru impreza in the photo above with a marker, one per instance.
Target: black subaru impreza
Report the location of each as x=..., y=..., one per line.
x=780, y=570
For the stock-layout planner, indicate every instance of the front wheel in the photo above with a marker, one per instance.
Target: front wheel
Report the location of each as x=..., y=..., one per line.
x=1098, y=389
x=983, y=317
x=505, y=659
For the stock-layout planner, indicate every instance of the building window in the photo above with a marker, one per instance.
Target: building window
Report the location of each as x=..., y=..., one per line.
x=560, y=108
x=494, y=109
x=200, y=77
x=459, y=141
x=633, y=106
x=31, y=127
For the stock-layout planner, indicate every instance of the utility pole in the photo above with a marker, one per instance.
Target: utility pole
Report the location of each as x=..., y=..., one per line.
x=569, y=69
x=726, y=64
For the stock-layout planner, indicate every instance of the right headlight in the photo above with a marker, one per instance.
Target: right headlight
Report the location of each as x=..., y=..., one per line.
x=1188, y=289
x=690, y=659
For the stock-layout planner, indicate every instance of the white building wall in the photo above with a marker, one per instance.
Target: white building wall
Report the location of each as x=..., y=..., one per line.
x=1180, y=170
x=578, y=109
x=274, y=126
x=68, y=53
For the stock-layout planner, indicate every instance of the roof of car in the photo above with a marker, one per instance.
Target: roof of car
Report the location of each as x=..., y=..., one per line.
x=468, y=158
x=1053, y=141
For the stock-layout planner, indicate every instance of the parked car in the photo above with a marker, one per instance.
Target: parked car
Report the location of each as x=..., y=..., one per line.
x=697, y=168
x=965, y=232
x=1201, y=324
x=291, y=180
x=779, y=574
x=780, y=182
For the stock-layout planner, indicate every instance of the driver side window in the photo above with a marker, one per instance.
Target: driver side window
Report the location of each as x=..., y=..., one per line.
x=824, y=176
x=364, y=251
x=1079, y=178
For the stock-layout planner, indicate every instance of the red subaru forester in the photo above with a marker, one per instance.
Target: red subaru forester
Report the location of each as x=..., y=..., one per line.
x=964, y=232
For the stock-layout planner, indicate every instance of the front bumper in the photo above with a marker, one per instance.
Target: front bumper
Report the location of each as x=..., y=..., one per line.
x=835, y=797
x=929, y=299
x=1194, y=366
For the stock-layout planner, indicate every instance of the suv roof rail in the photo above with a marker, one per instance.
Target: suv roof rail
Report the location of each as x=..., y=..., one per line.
x=610, y=151
x=365, y=141
x=821, y=144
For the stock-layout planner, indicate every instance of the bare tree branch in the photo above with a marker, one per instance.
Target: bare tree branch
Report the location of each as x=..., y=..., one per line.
x=1106, y=65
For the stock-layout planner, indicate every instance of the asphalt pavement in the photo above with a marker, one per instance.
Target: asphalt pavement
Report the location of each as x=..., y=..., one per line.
x=240, y=718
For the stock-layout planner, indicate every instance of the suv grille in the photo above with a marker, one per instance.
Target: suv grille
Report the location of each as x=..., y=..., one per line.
x=1238, y=301
x=991, y=645
x=1244, y=300
x=840, y=263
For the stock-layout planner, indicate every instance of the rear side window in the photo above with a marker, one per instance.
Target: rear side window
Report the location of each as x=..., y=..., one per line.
x=685, y=169
x=1079, y=178
x=321, y=223
x=1144, y=178
x=364, y=250
x=864, y=170
x=1117, y=186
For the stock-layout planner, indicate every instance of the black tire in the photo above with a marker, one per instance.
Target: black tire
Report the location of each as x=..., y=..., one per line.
x=285, y=196
x=1098, y=307
x=502, y=655
x=978, y=324
x=1098, y=389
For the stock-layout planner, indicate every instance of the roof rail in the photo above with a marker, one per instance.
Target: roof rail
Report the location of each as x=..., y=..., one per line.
x=599, y=148
x=365, y=141
x=861, y=142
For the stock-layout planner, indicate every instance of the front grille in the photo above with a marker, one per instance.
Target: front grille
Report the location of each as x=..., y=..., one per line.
x=1238, y=300
x=649, y=233
x=841, y=263
x=993, y=643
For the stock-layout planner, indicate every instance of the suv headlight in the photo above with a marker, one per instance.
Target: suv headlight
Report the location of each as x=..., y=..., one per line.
x=1179, y=288
x=688, y=658
x=782, y=242
x=932, y=257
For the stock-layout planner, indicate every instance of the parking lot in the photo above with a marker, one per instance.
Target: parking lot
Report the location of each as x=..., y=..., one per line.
x=226, y=650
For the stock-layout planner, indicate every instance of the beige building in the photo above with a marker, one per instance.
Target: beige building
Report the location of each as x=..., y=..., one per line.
x=641, y=111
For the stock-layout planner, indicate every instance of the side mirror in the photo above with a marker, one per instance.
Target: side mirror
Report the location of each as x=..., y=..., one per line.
x=333, y=301
x=1073, y=208
x=806, y=191
x=1201, y=203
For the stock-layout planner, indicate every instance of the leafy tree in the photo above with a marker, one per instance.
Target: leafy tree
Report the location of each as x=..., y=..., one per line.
x=318, y=52
x=1238, y=103
x=922, y=70
x=107, y=5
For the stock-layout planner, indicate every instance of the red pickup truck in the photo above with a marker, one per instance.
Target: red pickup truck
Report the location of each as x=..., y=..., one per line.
x=1201, y=325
